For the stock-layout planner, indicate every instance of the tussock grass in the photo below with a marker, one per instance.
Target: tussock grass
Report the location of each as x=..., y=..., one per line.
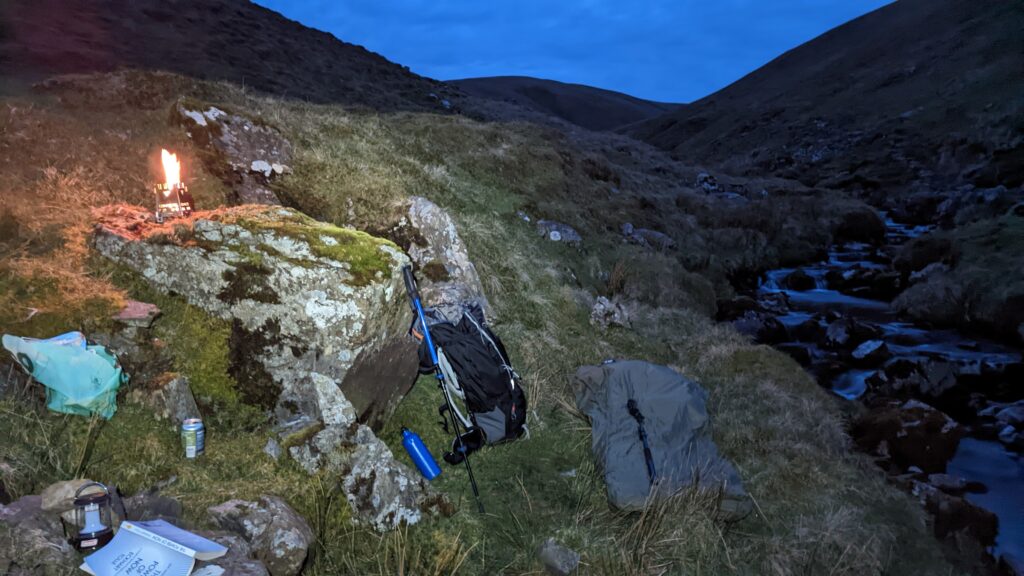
x=820, y=509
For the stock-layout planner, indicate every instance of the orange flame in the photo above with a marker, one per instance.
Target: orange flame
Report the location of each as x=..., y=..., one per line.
x=172, y=168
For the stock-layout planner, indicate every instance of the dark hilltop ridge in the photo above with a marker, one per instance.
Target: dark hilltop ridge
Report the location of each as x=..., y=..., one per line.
x=918, y=95
x=586, y=106
x=238, y=42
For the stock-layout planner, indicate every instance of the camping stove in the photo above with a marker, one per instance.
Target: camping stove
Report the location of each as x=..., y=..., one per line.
x=172, y=197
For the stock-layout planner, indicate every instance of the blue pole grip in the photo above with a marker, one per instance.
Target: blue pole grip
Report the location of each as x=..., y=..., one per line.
x=420, y=455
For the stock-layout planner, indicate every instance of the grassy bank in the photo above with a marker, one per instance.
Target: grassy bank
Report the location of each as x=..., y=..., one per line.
x=821, y=509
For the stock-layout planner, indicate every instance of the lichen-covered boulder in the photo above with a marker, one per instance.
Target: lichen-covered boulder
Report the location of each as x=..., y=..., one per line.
x=319, y=330
x=302, y=297
x=277, y=535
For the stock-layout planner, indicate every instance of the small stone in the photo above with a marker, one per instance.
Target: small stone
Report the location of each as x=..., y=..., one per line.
x=872, y=352
x=272, y=449
x=568, y=473
x=1008, y=435
x=607, y=313
x=137, y=314
x=261, y=167
x=557, y=559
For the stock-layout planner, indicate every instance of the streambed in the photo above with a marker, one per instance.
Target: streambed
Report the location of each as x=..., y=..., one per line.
x=835, y=318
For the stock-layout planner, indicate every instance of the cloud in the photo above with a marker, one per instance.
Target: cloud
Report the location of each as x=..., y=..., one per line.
x=670, y=50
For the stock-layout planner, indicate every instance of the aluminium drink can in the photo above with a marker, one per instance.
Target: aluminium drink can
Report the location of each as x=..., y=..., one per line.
x=193, y=437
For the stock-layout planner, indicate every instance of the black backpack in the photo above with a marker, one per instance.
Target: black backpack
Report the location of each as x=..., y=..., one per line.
x=477, y=371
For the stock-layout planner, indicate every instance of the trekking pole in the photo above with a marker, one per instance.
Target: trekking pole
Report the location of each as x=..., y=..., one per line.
x=639, y=417
x=414, y=295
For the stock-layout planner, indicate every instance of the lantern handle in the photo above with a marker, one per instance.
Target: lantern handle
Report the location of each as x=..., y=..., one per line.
x=91, y=484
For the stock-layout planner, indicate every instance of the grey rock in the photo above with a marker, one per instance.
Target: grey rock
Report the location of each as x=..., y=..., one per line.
x=947, y=483
x=238, y=561
x=647, y=238
x=168, y=396
x=382, y=492
x=607, y=313
x=559, y=232
x=272, y=449
x=1012, y=414
x=871, y=352
x=451, y=279
x=315, y=340
x=32, y=541
x=150, y=505
x=59, y=496
x=278, y=536
x=254, y=151
x=707, y=182
x=557, y=559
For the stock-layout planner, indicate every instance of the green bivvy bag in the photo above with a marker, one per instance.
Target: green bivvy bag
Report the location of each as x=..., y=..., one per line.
x=80, y=378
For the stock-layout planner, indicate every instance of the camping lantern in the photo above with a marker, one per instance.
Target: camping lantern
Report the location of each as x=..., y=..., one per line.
x=90, y=527
x=172, y=197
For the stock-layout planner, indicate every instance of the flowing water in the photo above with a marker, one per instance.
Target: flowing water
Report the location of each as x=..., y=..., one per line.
x=978, y=459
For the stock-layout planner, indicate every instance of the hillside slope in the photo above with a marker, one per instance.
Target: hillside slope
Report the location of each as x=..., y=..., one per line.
x=586, y=106
x=918, y=94
x=239, y=42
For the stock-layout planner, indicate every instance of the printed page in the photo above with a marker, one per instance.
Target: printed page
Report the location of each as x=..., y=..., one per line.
x=129, y=554
x=183, y=541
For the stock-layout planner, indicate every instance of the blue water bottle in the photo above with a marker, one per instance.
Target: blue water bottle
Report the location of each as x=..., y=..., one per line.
x=420, y=454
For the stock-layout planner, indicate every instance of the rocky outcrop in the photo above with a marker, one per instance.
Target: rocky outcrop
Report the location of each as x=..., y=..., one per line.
x=908, y=434
x=447, y=277
x=381, y=491
x=244, y=153
x=277, y=535
x=319, y=320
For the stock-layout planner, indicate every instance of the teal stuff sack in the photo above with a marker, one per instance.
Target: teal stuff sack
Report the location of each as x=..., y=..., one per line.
x=79, y=378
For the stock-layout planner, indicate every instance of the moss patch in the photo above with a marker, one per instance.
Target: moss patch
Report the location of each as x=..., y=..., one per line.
x=363, y=253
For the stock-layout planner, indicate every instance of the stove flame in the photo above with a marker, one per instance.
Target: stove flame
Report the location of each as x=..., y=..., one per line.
x=172, y=168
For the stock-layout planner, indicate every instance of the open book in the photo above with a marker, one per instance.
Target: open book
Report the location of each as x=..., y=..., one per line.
x=153, y=548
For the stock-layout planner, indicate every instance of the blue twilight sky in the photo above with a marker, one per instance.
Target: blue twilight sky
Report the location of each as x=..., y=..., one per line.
x=669, y=50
